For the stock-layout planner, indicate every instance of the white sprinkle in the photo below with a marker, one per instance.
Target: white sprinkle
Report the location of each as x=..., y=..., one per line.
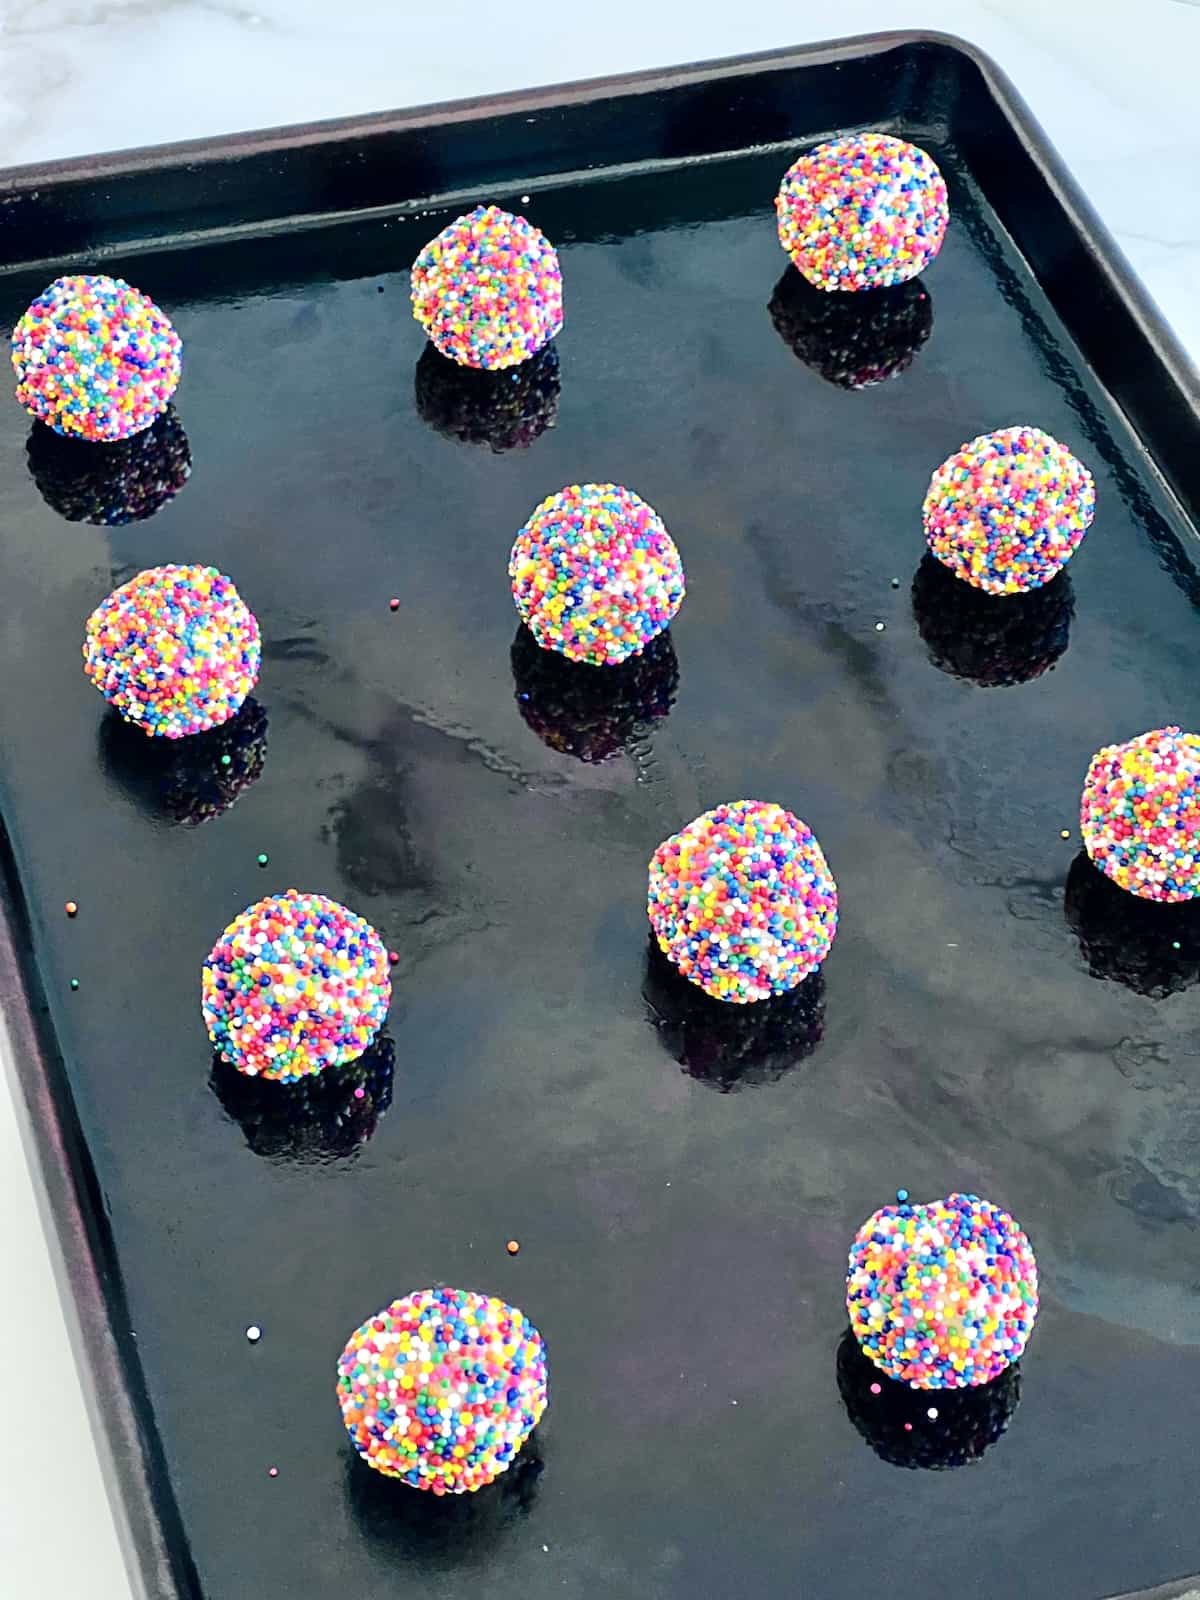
x=254, y=1333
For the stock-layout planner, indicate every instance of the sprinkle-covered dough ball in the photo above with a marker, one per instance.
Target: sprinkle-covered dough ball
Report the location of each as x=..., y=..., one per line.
x=742, y=901
x=175, y=650
x=488, y=289
x=295, y=984
x=442, y=1388
x=1140, y=814
x=862, y=212
x=595, y=574
x=944, y=1295
x=95, y=358
x=1008, y=510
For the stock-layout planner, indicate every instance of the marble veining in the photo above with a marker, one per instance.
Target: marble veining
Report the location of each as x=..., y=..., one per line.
x=1112, y=83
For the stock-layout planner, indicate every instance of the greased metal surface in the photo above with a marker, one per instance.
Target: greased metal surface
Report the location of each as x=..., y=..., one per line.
x=682, y=1249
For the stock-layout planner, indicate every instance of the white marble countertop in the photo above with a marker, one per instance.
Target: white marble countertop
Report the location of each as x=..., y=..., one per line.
x=1112, y=82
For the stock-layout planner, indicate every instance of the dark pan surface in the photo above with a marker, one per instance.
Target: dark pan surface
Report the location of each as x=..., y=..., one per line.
x=682, y=1247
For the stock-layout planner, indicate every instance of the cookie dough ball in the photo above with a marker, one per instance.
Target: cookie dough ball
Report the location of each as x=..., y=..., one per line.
x=504, y=410
x=295, y=984
x=992, y=640
x=863, y=212
x=1151, y=948
x=175, y=650
x=1140, y=814
x=111, y=484
x=1008, y=510
x=944, y=1295
x=592, y=713
x=595, y=574
x=853, y=341
x=728, y=1047
x=95, y=359
x=188, y=781
x=908, y=1428
x=742, y=901
x=442, y=1388
x=488, y=289
x=322, y=1118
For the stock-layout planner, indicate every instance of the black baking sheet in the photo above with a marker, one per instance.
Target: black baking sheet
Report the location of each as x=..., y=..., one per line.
x=682, y=1248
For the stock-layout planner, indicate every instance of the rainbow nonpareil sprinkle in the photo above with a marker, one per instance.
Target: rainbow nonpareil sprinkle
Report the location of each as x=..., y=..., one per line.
x=488, y=289
x=944, y=1295
x=1008, y=510
x=1140, y=814
x=95, y=358
x=442, y=1388
x=295, y=984
x=175, y=650
x=863, y=212
x=595, y=574
x=742, y=901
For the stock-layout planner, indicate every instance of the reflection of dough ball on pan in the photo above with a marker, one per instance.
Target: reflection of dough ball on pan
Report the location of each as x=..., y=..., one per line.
x=111, y=484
